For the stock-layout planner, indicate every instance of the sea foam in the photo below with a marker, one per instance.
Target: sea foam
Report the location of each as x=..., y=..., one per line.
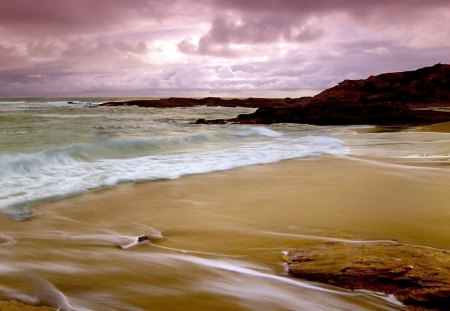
x=77, y=168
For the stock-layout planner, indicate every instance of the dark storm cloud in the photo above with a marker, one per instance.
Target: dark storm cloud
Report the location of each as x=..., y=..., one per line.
x=107, y=47
x=56, y=17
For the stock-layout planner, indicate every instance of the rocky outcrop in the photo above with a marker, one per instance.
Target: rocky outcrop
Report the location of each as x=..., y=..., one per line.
x=399, y=98
x=419, y=277
x=344, y=113
x=419, y=88
x=386, y=99
x=208, y=101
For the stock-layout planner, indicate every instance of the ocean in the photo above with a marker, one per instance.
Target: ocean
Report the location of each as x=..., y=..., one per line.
x=78, y=182
x=52, y=150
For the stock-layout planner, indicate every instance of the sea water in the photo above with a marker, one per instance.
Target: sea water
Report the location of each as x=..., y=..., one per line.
x=52, y=150
x=216, y=241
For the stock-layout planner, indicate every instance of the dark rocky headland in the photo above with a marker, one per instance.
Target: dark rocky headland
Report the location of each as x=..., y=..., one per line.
x=387, y=99
x=399, y=98
x=173, y=102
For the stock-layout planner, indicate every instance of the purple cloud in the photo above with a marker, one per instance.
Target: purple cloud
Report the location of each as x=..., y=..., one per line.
x=150, y=47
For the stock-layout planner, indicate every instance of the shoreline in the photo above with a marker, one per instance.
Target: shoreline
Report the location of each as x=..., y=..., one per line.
x=443, y=127
x=254, y=212
x=273, y=179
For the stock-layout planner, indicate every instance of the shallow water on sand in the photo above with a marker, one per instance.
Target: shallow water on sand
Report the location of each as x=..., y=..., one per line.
x=223, y=235
x=216, y=239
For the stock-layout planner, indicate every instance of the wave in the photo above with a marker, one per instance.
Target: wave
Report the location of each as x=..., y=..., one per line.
x=77, y=168
x=117, y=148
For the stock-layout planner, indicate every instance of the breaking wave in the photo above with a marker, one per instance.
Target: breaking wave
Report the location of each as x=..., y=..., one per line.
x=76, y=168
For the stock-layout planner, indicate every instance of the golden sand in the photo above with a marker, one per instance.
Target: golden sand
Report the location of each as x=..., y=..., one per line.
x=438, y=127
x=365, y=197
x=16, y=306
x=254, y=213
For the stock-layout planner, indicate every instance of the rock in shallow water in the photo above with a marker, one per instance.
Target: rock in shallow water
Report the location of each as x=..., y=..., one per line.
x=417, y=276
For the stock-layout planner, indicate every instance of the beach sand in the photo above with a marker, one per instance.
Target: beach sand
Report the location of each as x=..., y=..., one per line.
x=366, y=197
x=16, y=306
x=438, y=127
x=256, y=211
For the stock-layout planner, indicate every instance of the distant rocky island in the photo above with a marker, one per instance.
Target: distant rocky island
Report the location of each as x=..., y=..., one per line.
x=400, y=98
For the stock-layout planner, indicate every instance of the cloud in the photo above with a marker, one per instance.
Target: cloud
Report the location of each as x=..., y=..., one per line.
x=10, y=57
x=62, y=18
x=242, y=27
x=225, y=72
x=148, y=47
x=230, y=35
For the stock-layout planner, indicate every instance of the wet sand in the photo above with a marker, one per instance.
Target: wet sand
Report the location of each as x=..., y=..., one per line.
x=360, y=197
x=16, y=306
x=225, y=221
x=438, y=127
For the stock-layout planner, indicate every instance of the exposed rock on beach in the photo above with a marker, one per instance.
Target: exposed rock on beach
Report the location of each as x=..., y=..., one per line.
x=419, y=277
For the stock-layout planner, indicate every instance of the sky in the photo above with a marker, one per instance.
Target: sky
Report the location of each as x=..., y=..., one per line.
x=236, y=48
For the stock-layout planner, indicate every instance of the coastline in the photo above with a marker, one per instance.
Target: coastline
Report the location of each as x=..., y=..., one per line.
x=373, y=189
x=256, y=212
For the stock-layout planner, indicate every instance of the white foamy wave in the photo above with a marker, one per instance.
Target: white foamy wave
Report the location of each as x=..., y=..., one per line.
x=257, y=130
x=122, y=148
x=62, y=172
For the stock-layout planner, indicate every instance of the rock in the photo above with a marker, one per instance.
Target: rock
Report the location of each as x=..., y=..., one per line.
x=386, y=99
x=344, y=113
x=419, y=277
x=208, y=101
x=204, y=121
x=142, y=238
x=418, y=88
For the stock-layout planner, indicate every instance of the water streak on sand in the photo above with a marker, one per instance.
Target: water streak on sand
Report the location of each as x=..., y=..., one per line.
x=321, y=238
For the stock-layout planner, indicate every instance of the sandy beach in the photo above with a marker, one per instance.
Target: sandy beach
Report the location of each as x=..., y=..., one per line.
x=366, y=198
x=16, y=306
x=250, y=214
x=224, y=155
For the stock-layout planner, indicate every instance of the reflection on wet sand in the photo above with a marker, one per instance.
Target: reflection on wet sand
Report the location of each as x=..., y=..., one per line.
x=222, y=236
